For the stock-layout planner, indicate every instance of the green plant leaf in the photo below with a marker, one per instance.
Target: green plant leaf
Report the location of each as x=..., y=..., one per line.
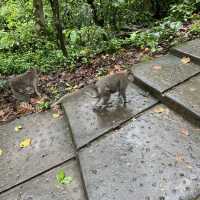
x=67, y=180
x=60, y=176
x=62, y=179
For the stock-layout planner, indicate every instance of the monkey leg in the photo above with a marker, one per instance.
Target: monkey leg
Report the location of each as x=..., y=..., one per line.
x=123, y=93
x=97, y=101
x=120, y=100
x=105, y=100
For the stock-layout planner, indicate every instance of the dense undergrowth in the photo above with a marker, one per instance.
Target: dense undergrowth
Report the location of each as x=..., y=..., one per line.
x=116, y=24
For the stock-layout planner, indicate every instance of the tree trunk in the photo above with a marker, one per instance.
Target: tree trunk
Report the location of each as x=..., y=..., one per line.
x=58, y=26
x=39, y=16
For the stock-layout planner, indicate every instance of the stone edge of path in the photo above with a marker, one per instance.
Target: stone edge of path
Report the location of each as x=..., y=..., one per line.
x=178, y=51
x=174, y=105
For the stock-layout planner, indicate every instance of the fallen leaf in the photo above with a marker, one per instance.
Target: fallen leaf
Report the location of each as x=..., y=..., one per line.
x=184, y=132
x=185, y=60
x=34, y=101
x=25, y=143
x=56, y=115
x=18, y=128
x=179, y=157
x=157, y=67
x=1, y=152
x=25, y=107
x=2, y=113
x=146, y=50
x=159, y=109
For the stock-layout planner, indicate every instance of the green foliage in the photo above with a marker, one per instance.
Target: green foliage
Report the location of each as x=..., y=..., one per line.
x=165, y=31
x=195, y=28
x=62, y=179
x=44, y=59
x=86, y=35
x=43, y=105
x=3, y=84
x=181, y=12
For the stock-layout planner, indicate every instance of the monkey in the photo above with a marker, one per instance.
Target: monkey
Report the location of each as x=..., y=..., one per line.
x=24, y=85
x=110, y=84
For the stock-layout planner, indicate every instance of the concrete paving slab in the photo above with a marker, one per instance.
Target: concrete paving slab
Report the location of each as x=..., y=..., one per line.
x=191, y=49
x=46, y=187
x=50, y=145
x=87, y=125
x=163, y=73
x=186, y=97
x=150, y=158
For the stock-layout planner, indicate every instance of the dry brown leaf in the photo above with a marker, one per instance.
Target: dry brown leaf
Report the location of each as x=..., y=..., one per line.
x=25, y=107
x=185, y=60
x=2, y=113
x=34, y=101
x=184, y=132
x=146, y=50
x=44, y=78
x=157, y=67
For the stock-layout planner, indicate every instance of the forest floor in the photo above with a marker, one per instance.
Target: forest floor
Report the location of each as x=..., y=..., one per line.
x=55, y=84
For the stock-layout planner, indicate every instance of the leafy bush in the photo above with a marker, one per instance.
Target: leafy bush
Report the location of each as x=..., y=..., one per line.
x=195, y=27
x=152, y=38
x=22, y=47
x=181, y=12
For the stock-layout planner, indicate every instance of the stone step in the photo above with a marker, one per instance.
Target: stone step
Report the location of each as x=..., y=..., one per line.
x=87, y=125
x=51, y=145
x=185, y=98
x=155, y=156
x=163, y=73
x=190, y=49
x=171, y=81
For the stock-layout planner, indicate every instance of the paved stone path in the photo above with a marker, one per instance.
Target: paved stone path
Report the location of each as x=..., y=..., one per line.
x=149, y=150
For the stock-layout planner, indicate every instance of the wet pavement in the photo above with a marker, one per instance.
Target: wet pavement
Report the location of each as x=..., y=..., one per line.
x=187, y=96
x=51, y=144
x=144, y=151
x=46, y=187
x=148, y=158
x=164, y=73
x=87, y=125
x=191, y=49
